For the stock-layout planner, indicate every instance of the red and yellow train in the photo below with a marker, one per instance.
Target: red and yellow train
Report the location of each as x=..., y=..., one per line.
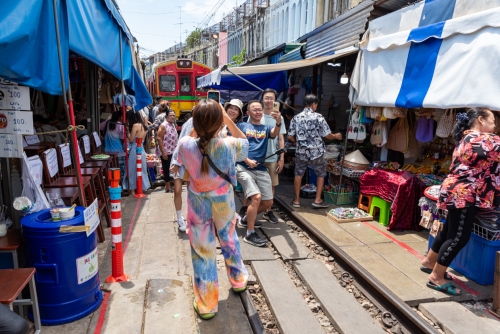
x=176, y=81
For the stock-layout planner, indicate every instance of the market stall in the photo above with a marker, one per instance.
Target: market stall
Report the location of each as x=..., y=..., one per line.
x=417, y=68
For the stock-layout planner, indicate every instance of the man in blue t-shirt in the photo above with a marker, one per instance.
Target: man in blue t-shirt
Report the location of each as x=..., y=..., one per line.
x=252, y=173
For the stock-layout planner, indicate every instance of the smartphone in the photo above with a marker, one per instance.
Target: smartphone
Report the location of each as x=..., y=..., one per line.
x=214, y=95
x=276, y=106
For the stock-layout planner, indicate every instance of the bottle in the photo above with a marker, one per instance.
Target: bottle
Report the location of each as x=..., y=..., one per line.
x=3, y=226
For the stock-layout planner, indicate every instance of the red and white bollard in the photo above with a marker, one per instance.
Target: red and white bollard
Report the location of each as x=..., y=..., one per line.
x=115, y=191
x=138, y=189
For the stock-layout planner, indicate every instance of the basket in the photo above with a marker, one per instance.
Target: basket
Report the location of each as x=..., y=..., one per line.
x=485, y=232
x=343, y=198
x=353, y=173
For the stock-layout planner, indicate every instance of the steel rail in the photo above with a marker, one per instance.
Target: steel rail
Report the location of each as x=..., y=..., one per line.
x=402, y=308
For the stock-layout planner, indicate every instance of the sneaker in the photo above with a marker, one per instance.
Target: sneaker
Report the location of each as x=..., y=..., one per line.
x=243, y=211
x=243, y=223
x=269, y=215
x=182, y=224
x=239, y=290
x=319, y=205
x=254, y=239
x=295, y=205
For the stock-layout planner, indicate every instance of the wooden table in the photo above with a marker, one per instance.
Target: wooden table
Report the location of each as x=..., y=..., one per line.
x=10, y=244
x=12, y=283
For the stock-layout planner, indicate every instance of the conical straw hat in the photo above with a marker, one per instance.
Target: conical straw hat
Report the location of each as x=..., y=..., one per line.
x=357, y=157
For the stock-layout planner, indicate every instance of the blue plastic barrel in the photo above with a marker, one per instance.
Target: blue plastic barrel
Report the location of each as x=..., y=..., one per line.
x=67, y=274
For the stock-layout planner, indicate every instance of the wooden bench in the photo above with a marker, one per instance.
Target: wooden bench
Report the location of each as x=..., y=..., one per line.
x=12, y=282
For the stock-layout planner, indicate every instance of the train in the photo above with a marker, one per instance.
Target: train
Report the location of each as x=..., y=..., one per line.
x=175, y=81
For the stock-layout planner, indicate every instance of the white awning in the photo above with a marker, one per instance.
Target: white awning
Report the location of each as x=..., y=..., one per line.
x=215, y=77
x=431, y=55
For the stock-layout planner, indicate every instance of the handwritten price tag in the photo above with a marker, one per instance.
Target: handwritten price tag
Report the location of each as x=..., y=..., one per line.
x=51, y=160
x=16, y=122
x=80, y=155
x=32, y=140
x=66, y=155
x=11, y=146
x=36, y=169
x=86, y=144
x=14, y=98
x=97, y=139
x=91, y=216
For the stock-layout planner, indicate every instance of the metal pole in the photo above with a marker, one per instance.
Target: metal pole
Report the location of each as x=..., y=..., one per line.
x=343, y=156
x=70, y=115
x=125, y=139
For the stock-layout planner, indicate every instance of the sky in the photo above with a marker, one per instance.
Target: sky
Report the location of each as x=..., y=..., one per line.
x=154, y=23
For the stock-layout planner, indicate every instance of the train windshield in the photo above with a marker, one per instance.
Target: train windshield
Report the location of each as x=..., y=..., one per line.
x=167, y=83
x=185, y=82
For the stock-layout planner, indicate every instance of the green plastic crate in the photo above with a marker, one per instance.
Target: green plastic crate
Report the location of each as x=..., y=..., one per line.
x=344, y=198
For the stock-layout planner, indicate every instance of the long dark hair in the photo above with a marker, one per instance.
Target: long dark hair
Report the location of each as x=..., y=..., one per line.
x=134, y=117
x=466, y=120
x=207, y=121
x=115, y=117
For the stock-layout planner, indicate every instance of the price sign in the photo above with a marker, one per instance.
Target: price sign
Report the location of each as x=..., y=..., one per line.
x=36, y=169
x=86, y=144
x=4, y=81
x=24, y=143
x=16, y=122
x=66, y=155
x=80, y=155
x=97, y=139
x=11, y=146
x=32, y=140
x=91, y=217
x=14, y=98
x=51, y=160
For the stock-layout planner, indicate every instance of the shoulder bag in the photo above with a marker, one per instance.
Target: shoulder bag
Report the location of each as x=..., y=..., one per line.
x=211, y=163
x=398, y=136
x=445, y=124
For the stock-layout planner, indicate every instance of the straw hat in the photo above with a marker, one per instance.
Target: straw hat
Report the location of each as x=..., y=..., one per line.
x=356, y=160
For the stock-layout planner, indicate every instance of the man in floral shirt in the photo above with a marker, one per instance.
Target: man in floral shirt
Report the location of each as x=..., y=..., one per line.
x=308, y=129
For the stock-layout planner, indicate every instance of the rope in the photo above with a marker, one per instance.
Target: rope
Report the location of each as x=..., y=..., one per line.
x=69, y=129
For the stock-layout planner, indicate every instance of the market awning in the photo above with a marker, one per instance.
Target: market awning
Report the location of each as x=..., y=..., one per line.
x=437, y=54
x=28, y=47
x=217, y=77
x=94, y=33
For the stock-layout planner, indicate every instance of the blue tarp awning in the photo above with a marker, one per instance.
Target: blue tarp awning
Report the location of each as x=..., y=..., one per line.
x=274, y=80
x=28, y=48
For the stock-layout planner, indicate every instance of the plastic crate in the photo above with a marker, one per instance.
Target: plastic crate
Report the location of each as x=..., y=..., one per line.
x=476, y=260
x=343, y=198
x=485, y=232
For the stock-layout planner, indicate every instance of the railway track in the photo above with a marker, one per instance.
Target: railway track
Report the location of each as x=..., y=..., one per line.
x=394, y=310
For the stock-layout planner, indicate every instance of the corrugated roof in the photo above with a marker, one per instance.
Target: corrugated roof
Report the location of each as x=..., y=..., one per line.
x=344, y=33
x=296, y=54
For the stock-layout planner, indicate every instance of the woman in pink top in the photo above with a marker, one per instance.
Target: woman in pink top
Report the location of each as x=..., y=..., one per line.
x=167, y=141
x=210, y=201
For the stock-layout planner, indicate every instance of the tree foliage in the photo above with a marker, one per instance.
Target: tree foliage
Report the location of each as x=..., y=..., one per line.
x=194, y=38
x=239, y=58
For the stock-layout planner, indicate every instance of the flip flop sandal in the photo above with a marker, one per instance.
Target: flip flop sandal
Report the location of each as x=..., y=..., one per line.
x=447, y=288
x=428, y=271
x=204, y=316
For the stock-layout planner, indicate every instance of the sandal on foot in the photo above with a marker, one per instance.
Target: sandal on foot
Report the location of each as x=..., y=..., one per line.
x=295, y=205
x=204, y=316
x=428, y=271
x=239, y=290
x=447, y=288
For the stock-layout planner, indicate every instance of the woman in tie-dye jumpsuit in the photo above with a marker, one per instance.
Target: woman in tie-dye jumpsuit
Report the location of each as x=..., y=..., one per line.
x=211, y=205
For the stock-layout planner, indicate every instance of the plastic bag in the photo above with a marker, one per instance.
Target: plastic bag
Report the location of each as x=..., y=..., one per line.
x=54, y=200
x=31, y=191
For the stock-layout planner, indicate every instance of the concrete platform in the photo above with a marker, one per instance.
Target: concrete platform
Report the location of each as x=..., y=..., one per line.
x=169, y=306
x=288, y=244
x=253, y=253
x=385, y=254
x=287, y=305
x=346, y=314
x=454, y=318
